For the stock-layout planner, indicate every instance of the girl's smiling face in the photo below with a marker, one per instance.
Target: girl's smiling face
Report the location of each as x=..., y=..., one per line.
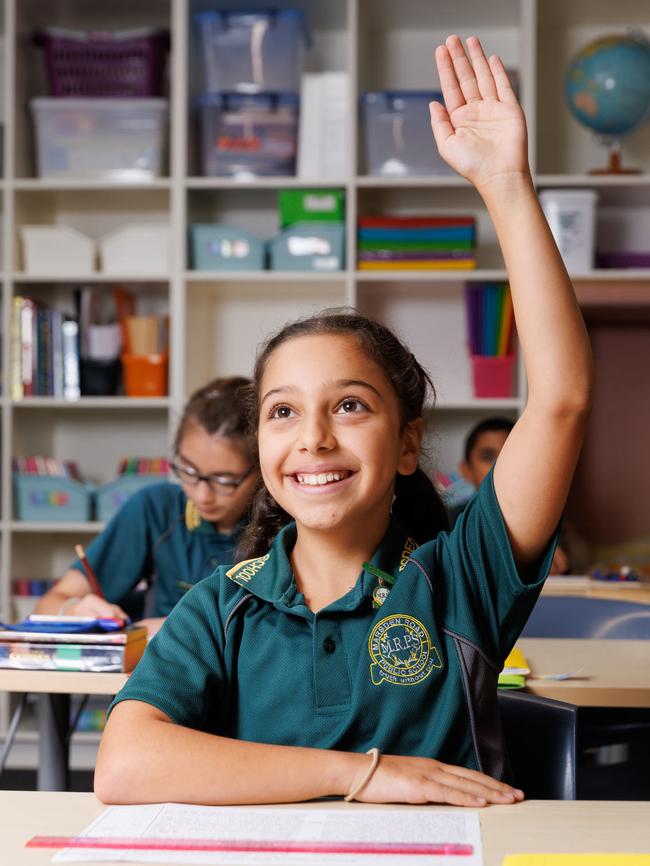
x=330, y=433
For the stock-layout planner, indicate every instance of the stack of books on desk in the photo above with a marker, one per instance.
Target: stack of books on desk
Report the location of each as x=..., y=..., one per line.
x=57, y=650
x=416, y=243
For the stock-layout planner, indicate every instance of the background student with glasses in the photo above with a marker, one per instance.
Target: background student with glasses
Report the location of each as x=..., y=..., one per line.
x=168, y=536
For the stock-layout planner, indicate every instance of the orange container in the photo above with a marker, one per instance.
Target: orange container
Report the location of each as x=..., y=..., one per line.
x=492, y=375
x=145, y=375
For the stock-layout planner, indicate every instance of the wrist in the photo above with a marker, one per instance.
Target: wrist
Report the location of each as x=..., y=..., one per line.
x=67, y=604
x=345, y=771
x=507, y=188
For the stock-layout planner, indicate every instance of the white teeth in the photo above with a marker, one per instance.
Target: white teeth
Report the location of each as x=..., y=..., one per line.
x=321, y=478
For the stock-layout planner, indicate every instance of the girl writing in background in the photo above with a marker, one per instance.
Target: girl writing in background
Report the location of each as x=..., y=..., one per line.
x=169, y=535
x=352, y=625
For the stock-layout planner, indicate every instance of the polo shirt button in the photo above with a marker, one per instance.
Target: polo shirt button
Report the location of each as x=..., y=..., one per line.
x=328, y=645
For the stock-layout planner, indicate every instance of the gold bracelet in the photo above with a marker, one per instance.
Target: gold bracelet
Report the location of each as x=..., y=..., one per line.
x=371, y=769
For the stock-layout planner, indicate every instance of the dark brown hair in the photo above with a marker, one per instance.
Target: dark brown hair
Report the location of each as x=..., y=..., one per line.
x=417, y=505
x=221, y=408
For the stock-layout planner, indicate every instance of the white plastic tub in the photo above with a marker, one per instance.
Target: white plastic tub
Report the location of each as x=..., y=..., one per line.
x=112, y=139
x=57, y=251
x=571, y=215
x=138, y=249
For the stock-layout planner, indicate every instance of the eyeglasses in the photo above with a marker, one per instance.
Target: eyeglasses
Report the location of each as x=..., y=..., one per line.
x=218, y=483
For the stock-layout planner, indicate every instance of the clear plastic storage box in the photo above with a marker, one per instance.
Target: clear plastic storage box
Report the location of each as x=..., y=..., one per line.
x=398, y=137
x=251, y=52
x=113, y=139
x=247, y=136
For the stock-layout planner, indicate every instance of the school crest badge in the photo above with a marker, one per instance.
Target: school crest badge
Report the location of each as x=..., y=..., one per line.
x=401, y=651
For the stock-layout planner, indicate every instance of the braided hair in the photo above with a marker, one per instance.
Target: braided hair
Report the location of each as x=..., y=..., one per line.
x=417, y=505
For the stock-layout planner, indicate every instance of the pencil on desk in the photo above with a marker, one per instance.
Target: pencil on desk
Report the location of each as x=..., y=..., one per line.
x=90, y=574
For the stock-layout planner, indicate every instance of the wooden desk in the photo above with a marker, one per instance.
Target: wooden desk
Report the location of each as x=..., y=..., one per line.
x=537, y=825
x=615, y=673
x=55, y=688
x=639, y=593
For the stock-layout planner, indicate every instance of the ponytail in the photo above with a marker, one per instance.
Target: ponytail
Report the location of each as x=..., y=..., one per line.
x=266, y=520
x=418, y=507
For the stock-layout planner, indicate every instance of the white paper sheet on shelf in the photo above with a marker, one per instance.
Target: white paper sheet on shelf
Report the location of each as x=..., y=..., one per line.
x=175, y=821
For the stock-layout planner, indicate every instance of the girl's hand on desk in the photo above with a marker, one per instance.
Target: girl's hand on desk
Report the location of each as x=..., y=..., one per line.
x=93, y=605
x=400, y=779
x=481, y=130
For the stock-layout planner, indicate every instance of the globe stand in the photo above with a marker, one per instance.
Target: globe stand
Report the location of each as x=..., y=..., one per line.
x=614, y=164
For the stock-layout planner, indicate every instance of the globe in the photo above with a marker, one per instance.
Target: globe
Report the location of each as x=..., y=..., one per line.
x=607, y=88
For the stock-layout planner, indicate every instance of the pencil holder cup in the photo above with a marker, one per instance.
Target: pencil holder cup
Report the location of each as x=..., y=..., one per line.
x=492, y=375
x=145, y=375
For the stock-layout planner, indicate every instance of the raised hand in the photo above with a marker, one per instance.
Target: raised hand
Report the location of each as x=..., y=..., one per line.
x=481, y=130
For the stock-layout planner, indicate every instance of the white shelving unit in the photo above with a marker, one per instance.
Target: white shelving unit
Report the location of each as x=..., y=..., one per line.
x=218, y=319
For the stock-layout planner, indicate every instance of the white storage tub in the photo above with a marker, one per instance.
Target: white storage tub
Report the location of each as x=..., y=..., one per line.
x=571, y=215
x=113, y=139
x=138, y=249
x=57, y=251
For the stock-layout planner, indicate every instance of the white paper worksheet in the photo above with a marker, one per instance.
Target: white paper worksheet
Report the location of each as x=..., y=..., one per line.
x=294, y=825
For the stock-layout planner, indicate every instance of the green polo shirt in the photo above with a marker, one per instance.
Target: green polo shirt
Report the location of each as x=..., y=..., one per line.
x=243, y=656
x=149, y=539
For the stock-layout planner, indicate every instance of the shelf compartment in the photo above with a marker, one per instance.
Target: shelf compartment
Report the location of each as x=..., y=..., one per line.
x=433, y=326
x=564, y=145
x=227, y=320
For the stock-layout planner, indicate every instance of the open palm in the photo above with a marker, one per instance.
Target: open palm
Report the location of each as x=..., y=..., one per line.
x=480, y=131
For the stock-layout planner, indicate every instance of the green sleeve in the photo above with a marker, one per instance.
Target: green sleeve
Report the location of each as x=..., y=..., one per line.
x=122, y=554
x=182, y=669
x=484, y=596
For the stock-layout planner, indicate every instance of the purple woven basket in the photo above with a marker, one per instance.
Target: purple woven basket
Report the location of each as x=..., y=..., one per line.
x=105, y=64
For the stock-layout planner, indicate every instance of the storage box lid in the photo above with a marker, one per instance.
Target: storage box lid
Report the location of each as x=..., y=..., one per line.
x=391, y=96
x=86, y=103
x=230, y=17
x=233, y=100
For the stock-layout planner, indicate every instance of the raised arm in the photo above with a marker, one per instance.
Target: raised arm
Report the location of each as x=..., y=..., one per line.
x=481, y=132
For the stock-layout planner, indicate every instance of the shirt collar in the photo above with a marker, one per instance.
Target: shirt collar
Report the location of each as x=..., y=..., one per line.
x=270, y=577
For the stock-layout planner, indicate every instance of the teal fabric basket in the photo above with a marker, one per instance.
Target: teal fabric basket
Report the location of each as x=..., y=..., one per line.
x=225, y=248
x=110, y=497
x=51, y=498
x=309, y=246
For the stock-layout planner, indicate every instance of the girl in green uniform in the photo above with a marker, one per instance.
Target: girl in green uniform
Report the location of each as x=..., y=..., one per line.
x=170, y=536
x=353, y=625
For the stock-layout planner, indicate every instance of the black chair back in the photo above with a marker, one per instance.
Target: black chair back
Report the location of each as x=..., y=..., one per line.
x=540, y=736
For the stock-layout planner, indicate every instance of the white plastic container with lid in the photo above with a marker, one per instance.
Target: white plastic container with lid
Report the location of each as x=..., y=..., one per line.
x=571, y=215
x=113, y=139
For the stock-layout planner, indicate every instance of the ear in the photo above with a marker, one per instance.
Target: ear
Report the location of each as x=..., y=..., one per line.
x=466, y=472
x=411, y=443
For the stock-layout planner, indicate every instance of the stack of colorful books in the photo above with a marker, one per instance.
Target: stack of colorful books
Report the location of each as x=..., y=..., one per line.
x=416, y=243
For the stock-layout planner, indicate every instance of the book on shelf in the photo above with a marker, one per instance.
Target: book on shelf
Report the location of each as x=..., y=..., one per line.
x=44, y=352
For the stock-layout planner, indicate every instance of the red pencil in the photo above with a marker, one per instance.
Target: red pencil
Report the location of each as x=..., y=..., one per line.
x=90, y=574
